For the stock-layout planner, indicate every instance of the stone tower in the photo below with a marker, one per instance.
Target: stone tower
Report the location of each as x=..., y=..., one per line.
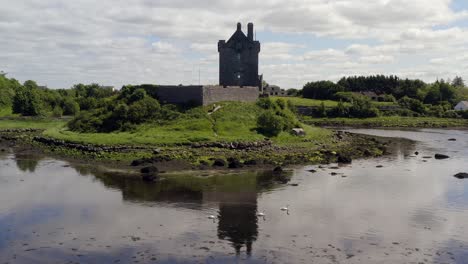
x=238, y=59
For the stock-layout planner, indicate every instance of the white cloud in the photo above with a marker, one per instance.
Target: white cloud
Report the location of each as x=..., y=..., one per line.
x=60, y=43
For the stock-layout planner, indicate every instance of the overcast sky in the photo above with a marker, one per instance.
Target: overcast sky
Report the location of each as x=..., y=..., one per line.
x=116, y=42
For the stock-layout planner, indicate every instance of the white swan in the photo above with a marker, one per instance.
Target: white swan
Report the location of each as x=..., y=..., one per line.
x=213, y=217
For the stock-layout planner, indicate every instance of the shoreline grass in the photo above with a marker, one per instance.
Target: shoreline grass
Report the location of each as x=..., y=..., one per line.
x=390, y=121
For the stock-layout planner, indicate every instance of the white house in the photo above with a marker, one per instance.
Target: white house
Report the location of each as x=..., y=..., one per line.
x=462, y=106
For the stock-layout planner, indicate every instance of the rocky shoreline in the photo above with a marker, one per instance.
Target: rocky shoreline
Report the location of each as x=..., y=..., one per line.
x=149, y=161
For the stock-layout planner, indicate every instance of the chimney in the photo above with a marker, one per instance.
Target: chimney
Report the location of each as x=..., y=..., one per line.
x=250, y=32
x=239, y=26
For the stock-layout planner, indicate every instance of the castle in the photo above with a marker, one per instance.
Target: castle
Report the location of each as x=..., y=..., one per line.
x=238, y=59
x=238, y=75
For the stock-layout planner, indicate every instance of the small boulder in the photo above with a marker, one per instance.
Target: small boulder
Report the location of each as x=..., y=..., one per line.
x=149, y=170
x=461, y=175
x=344, y=159
x=278, y=169
x=149, y=177
x=298, y=132
x=251, y=162
x=452, y=139
x=139, y=162
x=235, y=163
x=441, y=156
x=416, y=153
x=219, y=163
x=312, y=171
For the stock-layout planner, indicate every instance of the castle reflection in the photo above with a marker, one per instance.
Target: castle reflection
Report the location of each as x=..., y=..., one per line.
x=235, y=196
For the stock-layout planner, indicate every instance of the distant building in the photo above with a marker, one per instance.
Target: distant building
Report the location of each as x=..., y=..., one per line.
x=371, y=95
x=238, y=59
x=462, y=106
x=274, y=90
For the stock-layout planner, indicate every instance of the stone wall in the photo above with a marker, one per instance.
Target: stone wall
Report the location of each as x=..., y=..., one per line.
x=205, y=95
x=213, y=94
x=173, y=94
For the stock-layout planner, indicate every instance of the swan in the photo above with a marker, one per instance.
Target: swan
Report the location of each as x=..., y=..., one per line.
x=213, y=217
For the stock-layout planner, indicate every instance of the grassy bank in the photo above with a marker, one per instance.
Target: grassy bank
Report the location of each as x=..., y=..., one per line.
x=22, y=123
x=299, y=101
x=390, y=121
x=233, y=122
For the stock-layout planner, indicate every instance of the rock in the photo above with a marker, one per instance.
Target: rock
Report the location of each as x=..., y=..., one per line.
x=149, y=170
x=234, y=163
x=149, y=177
x=294, y=184
x=219, y=163
x=156, y=151
x=427, y=157
x=298, y=132
x=139, y=162
x=278, y=169
x=251, y=162
x=312, y=171
x=3, y=150
x=344, y=159
x=333, y=174
x=441, y=156
x=416, y=153
x=204, y=163
x=461, y=175
x=452, y=139
x=379, y=166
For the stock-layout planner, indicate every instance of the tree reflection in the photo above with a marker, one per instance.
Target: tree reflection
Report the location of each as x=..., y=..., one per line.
x=26, y=163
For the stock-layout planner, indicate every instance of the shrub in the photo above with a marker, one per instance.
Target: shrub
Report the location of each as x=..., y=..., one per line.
x=269, y=124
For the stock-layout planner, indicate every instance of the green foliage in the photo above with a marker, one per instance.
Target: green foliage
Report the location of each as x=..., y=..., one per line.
x=70, y=106
x=57, y=112
x=27, y=101
x=266, y=103
x=270, y=124
x=412, y=104
x=323, y=90
x=7, y=91
x=362, y=108
x=284, y=119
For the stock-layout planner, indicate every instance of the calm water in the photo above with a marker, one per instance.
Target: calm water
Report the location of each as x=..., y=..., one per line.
x=408, y=211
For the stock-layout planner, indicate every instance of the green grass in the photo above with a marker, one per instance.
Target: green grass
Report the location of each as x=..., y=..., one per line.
x=389, y=121
x=5, y=111
x=299, y=101
x=31, y=123
x=233, y=122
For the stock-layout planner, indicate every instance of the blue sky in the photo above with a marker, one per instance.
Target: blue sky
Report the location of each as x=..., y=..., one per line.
x=61, y=43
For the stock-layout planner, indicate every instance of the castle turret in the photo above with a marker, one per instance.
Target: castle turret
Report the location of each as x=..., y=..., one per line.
x=250, y=31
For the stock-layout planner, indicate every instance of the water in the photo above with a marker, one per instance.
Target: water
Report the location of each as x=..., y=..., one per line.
x=408, y=211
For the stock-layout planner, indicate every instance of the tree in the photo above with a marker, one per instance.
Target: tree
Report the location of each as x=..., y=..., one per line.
x=27, y=101
x=458, y=82
x=322, y=90
x=70, y=106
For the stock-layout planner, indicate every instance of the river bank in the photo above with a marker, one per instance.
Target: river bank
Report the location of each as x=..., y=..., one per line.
x=388, y=122
x=262, y=154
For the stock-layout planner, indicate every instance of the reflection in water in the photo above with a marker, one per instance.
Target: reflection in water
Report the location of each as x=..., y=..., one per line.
x=409, y=210
x=27, y=162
